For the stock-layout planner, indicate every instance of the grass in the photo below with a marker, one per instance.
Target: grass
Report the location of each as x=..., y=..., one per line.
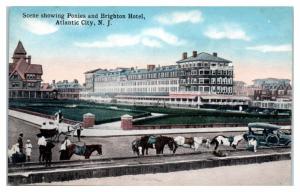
x=207, y=119
x=104, y=113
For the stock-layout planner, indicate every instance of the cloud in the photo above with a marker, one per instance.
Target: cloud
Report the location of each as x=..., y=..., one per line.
x=227, y=31
x=271, y=48
x=163, y=36
x=151, y=37
x=180, y=17
x=40, y=27
x=151, y=42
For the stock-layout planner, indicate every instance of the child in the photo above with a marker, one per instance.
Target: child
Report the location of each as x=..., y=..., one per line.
x=28, y=148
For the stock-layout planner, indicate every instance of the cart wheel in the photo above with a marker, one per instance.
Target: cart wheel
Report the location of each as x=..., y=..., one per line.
x=272, y=140
x=289, y=144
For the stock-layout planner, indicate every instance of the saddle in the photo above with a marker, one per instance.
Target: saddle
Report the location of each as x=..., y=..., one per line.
x=79, y=150
x=189, y=140
x=152, y=140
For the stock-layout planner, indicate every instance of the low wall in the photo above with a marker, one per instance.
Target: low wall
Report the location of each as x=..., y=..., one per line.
x=119, y=170
x=208, y=125
x=67, y=121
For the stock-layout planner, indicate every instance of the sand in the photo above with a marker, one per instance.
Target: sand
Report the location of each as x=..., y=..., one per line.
x=264, y=174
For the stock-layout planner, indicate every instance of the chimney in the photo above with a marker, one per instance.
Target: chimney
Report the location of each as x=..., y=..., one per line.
x=53, y=82
x=215, y=54
x=184, y=55
x=194, y=53
x=29, y=59
x=150, y=67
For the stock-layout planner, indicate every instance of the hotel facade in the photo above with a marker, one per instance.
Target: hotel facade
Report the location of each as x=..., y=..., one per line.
x=201, y=79
x=203, y=73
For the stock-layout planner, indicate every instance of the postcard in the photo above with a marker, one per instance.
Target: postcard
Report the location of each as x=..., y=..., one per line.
x=178, y=96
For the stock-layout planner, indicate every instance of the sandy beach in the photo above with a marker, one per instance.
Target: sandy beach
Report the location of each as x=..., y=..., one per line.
x=265, y=174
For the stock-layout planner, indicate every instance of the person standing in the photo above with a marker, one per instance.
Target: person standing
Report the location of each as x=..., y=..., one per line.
x=60, y=116
x=42, y=145
x=20, y=141
x=28, y=148
x=63, y=149
x=48, y=153
x=78, y=132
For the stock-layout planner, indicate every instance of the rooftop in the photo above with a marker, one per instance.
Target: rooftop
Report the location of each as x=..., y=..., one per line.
x=20, y=49
x=204, y=57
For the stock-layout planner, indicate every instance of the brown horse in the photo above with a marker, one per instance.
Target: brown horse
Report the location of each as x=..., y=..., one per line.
x=159, y=144
x=85, y=150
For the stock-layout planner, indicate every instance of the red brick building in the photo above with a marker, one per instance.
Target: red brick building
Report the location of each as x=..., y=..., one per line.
x=25, y=78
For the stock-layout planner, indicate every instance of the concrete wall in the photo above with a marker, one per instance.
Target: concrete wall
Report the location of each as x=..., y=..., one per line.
x=118, y=170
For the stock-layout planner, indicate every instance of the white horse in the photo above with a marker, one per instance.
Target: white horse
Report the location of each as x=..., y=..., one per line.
x=232, y=141
x=191, y=142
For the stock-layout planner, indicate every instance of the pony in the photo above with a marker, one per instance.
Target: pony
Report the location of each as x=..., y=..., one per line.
x=63, y=130
x=161, y=141
x=251, y=142
x=191, y=142
x=232, y=141
x=85, y=150
x=70, y=130
x=136, y=147
x=158, y=145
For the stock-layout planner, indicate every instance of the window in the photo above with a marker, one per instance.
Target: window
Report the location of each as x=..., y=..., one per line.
x=213, y=72
x=206, y=89
x=213, y=89
x=206, y=81
x=194, y=80
x=213, y=80
x=15, y=84
x=194, y=72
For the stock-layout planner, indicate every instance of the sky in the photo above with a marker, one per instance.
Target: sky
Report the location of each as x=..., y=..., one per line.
x=258, y=40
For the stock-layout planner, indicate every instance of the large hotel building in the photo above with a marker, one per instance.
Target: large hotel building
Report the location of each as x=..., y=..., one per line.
x=202, y=78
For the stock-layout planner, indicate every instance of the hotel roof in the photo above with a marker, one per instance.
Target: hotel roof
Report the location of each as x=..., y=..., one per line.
x=204, y=57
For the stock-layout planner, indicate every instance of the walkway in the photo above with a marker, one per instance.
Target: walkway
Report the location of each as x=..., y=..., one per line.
x=113, y=129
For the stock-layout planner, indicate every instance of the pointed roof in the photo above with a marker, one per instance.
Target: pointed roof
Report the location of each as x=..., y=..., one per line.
x=204, y=57
x=20, y=49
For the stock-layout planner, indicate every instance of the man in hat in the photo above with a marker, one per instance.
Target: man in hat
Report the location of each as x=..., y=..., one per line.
x=20, y=141
x=42, y=145
x=48, y=153
x=28, y=148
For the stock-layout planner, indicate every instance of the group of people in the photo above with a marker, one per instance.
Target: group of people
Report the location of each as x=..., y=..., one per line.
x=45, y=149
x=19, y=147
x=45, y=146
